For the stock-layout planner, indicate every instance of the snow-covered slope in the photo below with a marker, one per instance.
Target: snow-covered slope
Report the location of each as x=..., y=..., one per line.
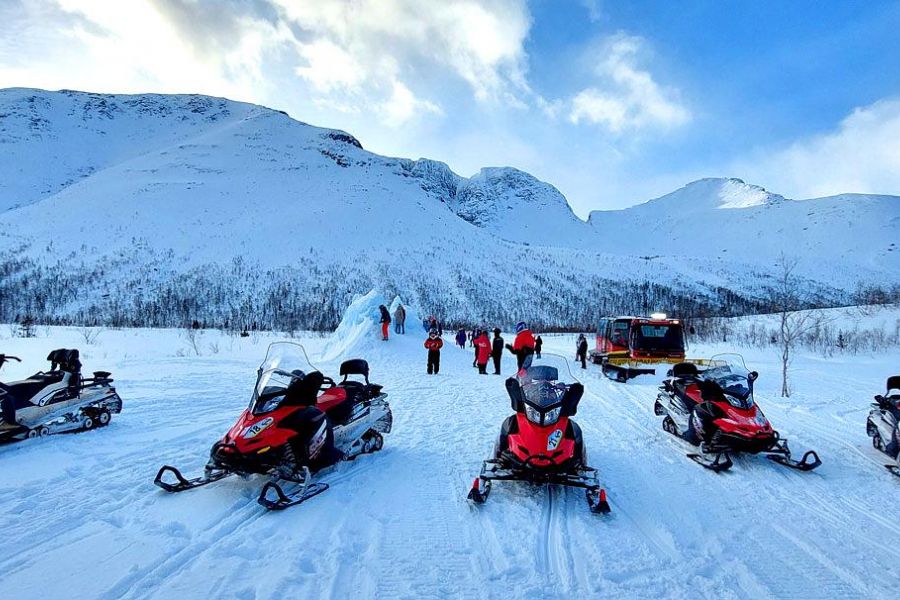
x=846, y=238
x=517, y=206
x=108, y=203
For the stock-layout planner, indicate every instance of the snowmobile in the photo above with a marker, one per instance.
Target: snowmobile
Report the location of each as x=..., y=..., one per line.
x=56, y=401
x=883, y=424
x=298, y=422
x=540, y=443
x=713, y=408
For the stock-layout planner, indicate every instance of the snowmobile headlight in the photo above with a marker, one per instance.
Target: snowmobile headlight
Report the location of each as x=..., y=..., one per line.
x=257, y=428
x=552, y=415
x=533, y=414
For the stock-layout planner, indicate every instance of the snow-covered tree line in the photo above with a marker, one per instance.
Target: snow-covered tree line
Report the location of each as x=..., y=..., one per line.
x=147, y=290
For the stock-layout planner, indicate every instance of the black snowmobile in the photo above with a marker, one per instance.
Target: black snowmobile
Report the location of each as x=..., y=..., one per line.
x=883, y=424
x=299, y=421
x=56, y=401
x=713, y=408
x=540, y=443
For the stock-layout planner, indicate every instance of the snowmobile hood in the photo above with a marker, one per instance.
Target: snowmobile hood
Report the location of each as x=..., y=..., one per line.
x=748, y=423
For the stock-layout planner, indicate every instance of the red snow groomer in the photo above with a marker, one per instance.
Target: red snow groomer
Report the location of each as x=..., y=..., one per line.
x=628, y=346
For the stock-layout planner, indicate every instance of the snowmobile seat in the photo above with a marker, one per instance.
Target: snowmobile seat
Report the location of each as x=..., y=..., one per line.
x=337, y=402
x=685, y=370
x=28, y=388
x=354, y=366
x=303, y=391
x=892, y=387
x=66, y=360
x=710, y=391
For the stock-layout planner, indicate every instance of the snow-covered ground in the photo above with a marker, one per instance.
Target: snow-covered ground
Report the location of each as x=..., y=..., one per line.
x=83, y=519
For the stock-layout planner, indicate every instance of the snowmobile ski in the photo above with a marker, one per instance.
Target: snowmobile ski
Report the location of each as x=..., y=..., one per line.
x=781, y=454
x=183, y=483
x=808, y=462
x=481, y=488
x=596, y=498
x=722, y=461
x=282, y=499
x=895, y=469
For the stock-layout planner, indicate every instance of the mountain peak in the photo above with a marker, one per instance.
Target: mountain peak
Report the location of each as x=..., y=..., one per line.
x=714, y=193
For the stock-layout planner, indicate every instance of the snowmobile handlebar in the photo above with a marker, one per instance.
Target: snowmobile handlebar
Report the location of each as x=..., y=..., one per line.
x=4, y=358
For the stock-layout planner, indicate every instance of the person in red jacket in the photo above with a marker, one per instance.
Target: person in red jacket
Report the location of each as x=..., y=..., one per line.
x=434, y=343
x=385, y=321
x=523, y=346
x=483, y=351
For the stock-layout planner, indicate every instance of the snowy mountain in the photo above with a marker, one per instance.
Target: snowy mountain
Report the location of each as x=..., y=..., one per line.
x=843, y=239
x=150, y=209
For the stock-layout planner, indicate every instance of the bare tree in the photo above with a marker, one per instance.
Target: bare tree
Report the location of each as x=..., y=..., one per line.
x=793, y=323
x=192, y=336
x=90, y=334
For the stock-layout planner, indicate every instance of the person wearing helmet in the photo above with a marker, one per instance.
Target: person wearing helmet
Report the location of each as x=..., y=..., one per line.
x=523, y=346
x=433, y=344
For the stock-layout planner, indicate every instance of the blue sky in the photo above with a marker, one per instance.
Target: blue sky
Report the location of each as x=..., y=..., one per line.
x=612, y=102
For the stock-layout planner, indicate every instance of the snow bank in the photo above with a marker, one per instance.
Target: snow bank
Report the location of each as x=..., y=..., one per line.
x=359, y=333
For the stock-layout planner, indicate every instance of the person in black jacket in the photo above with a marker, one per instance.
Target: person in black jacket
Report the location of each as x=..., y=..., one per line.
x=581, y=348
x=497, y=350
x=385, y=321
x=538, y=343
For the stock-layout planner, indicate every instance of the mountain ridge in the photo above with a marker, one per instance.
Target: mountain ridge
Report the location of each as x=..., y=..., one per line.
x=152, y=190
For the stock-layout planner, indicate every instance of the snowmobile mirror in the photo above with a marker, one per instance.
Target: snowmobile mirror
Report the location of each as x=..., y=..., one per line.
x=753, y=376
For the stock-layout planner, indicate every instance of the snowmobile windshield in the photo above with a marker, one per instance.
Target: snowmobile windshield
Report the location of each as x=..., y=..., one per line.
x=732, y=375
x=543, y=394
x=545, y=381
x=668, y=337
x=542, y=388
x=284, y=362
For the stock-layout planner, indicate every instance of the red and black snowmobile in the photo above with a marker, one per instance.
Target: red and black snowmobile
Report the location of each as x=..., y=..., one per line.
x=713, y=408
x=883, y=424
x=298, y=422
x=540, y=443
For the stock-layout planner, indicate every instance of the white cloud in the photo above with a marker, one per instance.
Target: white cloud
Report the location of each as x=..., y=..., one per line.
x=403, y=105
x=861, y=155
x=626, y=97
x=376, y=51
x=127, y=46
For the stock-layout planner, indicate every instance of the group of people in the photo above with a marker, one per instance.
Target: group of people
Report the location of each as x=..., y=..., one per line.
x=399, y=320
x=486, y=349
